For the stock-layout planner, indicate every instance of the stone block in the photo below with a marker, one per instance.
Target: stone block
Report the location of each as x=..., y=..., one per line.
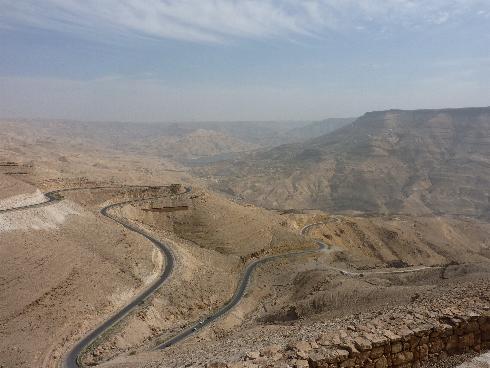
x=300, y=346
x=381, y=362
x=482, y=320
x=414, y=341
x=350, y=347
x=485, y=327
x=325, y=356
x=301, y=363
x=362, y=358
x=393, y=337
x=472, y=326
x=452, y=344
x=436, y=346
x=387, y=349
x=416, y=364
x=362, y=344
x=396, y=347
x=466, y=341
x=485, y=336
x=348, y=363
x=377, y=352
x=402, y=358
x=423, y=352
x=252, y=355
x=405, y=333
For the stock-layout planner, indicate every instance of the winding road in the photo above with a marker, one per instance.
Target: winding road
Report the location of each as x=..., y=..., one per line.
x=343, y=271
x=71, y=359
x=55, y=196
x=239, y=292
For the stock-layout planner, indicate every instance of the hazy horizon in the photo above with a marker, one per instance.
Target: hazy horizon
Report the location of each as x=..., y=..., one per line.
x=176, y=61
x=299, y=122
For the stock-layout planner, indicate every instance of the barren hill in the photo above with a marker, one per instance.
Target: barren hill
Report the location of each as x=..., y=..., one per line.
x=317, y=129
x=423, y=161
x=65, y=268
x=180, y=142
x=159, y=140
x=198, y=143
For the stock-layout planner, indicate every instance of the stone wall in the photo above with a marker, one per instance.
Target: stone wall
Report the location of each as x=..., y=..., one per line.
x=406, y=348
x=402, y=340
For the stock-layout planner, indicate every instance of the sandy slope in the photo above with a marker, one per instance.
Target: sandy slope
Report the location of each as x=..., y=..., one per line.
x=64, y=268
x=63, y=271
x=395, y=161
x=15, y=191
x=212, y=239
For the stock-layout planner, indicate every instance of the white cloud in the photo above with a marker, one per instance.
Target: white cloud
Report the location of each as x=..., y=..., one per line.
x=224, y=20
x=200, y=21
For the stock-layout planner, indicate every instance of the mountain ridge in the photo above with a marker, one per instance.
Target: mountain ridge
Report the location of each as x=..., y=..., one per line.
x=385, y=162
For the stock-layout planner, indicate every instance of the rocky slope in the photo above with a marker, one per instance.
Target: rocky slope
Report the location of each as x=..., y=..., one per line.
x=177, y=142
x=418, y=162
x=198, y=143
x=317, y=129
x=63, y=270
x=174, y=141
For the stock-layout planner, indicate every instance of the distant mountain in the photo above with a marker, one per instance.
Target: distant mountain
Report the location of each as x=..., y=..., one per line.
x=197, y=143
x=423, y=161
x=317, y=129
x=183, y=142
x=178, y=141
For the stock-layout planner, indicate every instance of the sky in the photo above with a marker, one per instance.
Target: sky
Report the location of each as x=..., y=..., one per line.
x=235, y=60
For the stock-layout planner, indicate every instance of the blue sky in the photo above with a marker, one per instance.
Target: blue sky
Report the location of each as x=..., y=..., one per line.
x=172, y=60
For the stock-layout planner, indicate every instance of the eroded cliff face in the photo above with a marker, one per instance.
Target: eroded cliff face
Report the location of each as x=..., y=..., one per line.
x=393, y=161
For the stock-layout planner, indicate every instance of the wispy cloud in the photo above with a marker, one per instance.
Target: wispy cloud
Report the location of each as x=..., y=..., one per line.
x=191, y=20
x=223, y=20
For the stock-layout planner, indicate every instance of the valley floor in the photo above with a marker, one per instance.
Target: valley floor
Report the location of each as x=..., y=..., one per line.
x=378, y=274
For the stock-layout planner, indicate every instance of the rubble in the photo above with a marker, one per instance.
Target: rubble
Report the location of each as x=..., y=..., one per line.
x=398, y=338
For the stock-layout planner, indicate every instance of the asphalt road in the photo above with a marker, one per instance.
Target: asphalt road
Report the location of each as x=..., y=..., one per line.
x=239, y=292
x=56, y=196
x=72, y=358
x=343, y=271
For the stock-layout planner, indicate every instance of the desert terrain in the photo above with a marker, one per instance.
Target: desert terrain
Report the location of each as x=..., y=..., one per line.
x=371, y=240
x=414, y=162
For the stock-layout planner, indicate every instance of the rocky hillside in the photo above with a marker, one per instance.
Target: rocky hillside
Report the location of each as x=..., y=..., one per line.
x=161, y=140
x=317, y=129
x=423, y=161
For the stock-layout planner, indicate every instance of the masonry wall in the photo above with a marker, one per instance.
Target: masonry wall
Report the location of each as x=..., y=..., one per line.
x=407, y=336
x=408, y=348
